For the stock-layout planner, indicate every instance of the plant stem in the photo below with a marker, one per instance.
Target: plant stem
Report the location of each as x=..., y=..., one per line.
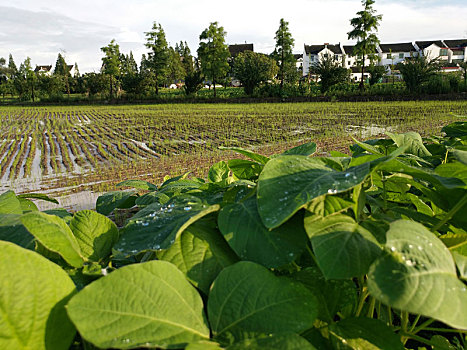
x=417, y=338
x=450, y=214
x=423, y=326
x=371, y=309
x=414, y=324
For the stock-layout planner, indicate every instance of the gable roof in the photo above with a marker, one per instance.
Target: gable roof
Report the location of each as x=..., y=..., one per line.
x=298, y=56
x=238, y=48
x=348, y=49
x=458, y=43
x=43, y=69
x=315, y=49
x=424, y=44
x=399, y=47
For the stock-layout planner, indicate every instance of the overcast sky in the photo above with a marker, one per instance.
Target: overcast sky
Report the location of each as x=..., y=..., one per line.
x=42, y=29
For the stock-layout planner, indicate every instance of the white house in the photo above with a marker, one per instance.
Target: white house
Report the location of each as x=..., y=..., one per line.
x=350, y=59
x=392, y=54
x=46, y=70
x=431, y=49
x=312, y=54
x=457, y=50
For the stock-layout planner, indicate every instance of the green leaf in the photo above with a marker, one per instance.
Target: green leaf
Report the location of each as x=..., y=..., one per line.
x=138, y=184
x=204, y=345
x=461, y=262
x=364, y=333
x=12, y=230
x=328, y=204
x=455, y=242
x=284, y=341
x=106, y=203
x=418, y=274
x=9, y=204
x=96, y=234
x=32, y=297
x=454, y=169
x=54, y=234
x=149, y=304
x=307, y=149
x=159, y=228
x=218, y=172
x=368, y=147
x=289, y=182
x=27, y=205
x=245, y=169
x=40, y=196
x=460, y=155
x=332, y=295
x=246, y=299
x=252, y=155
x=343, y=248
x=152, y=197
x=413, y=141
x=251, y=240
x=457, y=129
x=200, y=253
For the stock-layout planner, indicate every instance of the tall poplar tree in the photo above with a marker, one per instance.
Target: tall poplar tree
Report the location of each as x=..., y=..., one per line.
x=111, y=62
x=61, y=69
x=282, y=53
x=158, y=56
x=365, y=27
x=213, y=53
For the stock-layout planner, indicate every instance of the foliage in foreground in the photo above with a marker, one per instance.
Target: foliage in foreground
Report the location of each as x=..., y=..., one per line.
x=367, y=251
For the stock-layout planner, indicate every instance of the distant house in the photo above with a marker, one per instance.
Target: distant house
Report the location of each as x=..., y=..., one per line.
x=431, y=49
x=392, y=54
x=356, y=74
x=238, y=48
x=351, y=60
x=47, y=70
x=312, y=54
x=457, y=50
x=298, y=61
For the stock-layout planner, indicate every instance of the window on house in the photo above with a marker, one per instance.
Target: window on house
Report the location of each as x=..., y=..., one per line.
x=336, y=57
x=457, y=52
x=349, y=63
x=443, y=52
x=325, y=55
x=389, y=56
x=401, y=55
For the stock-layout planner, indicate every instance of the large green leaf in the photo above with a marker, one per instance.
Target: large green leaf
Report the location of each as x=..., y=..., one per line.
x=142, y=305
x=106, y=203
x=413, y=141
x=306, y=149
x=218, y=172
x=252, y=155
x=96, y=234
x=200, y=253
x=343, y=248
x=418, y=274
x=251, y=240
x=138, y=184
x=245, y=169
x=284, y=341
x=364, y=333
x=456, y=129
x=32, y=297
x=332, y=295
x=55, y=235
x=461, y=262
x=246, y=299
x=9, y=204
x=159, y=228
x=40, y=196
x=289, y=182
x=12, y=230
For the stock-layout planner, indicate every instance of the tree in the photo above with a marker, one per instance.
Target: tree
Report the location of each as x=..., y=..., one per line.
x=253, y=68
x=94, y=83
x=213, y=53
x=417, y=71
x=463, y=66
x=330, y=73
x=376, y=73
x=187, y=59
x=175, y=70
x=365, y=27
x=193, y=82
x=158, y=56
x=12, y=70
x=61, y=69
x=283, y=52
x=111, y=62
x=25, y=81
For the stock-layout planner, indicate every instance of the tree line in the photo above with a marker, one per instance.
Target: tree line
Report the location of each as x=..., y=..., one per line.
x=163, y=65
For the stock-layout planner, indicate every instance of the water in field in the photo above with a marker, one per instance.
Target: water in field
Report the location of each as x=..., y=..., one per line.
x=60, y=149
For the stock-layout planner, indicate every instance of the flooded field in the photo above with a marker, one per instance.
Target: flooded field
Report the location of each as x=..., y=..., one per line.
x=72, y=149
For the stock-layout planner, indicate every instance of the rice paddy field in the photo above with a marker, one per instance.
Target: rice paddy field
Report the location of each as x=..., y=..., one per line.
x=59, y=150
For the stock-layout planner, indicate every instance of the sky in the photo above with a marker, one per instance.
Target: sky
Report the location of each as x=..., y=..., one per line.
x=42, y=29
